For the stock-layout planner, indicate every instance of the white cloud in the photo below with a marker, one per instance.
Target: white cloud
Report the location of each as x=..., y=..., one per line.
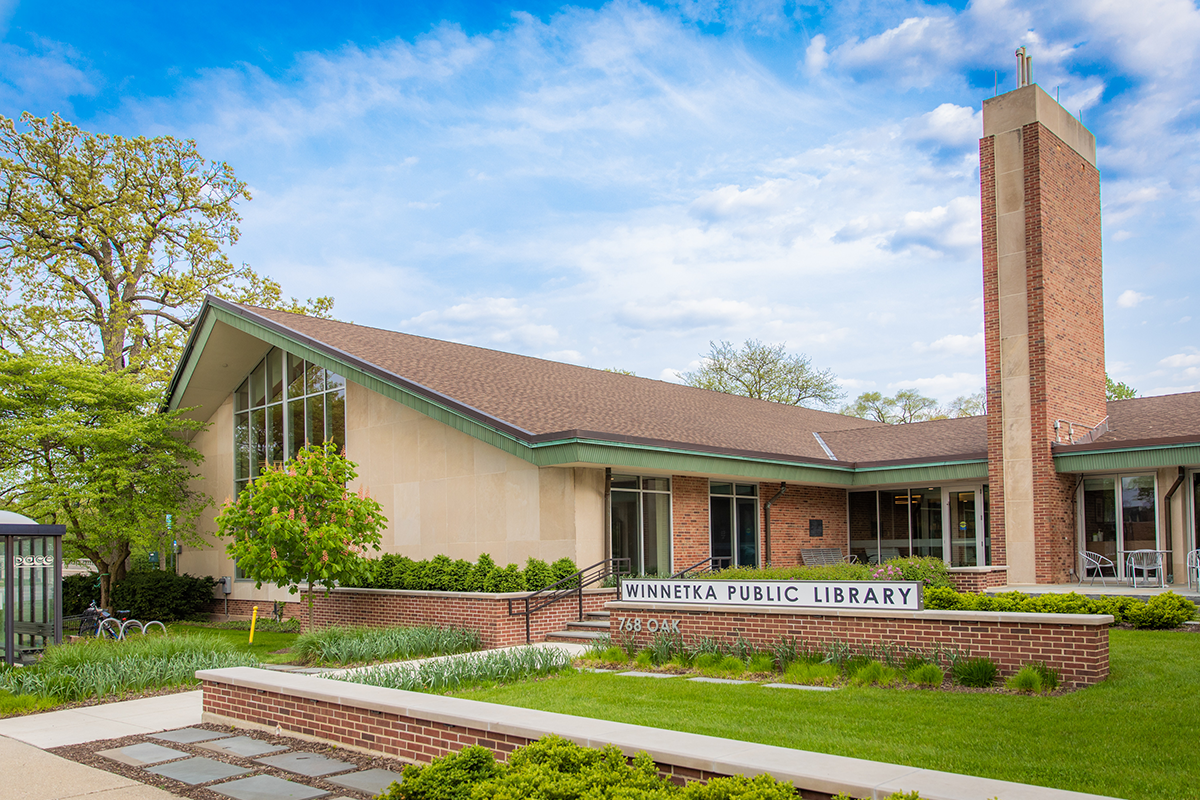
x=948, y=124
x=952, y=227
x=955, y=344
x=943, y=387
x=499, y=320
x=1180, y=360
x=815, y=57
x=1129, y=298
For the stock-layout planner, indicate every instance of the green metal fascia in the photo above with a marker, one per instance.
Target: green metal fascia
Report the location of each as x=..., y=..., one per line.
x=193, y=358
x=1131, y=458
x=922, y=473
x=636, y=456
x=416, y=402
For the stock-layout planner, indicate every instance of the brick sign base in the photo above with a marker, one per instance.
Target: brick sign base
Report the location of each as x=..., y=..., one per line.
x=1074, y=644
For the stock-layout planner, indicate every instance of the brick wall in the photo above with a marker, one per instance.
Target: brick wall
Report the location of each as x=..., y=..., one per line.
x=689, y=521
x=1066, y=328
x=408, y=737
x=978, y=581
x=1079, y=651
x=790, y=517
x=487, y=614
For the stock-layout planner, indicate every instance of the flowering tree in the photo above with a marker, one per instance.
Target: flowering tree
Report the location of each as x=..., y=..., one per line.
x=297, y=523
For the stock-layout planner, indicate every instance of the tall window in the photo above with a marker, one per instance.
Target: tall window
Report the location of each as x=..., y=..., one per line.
x=284, y=402
x=1118, y=513
x=733, y=522
x=641, y=523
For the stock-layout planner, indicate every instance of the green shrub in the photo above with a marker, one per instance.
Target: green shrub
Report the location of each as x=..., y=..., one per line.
x=437, y=576
x=163, y=596
x=932, y=572
x=564, y=568
x=762, y=662
x=552, y=767
x=875, y=674
x=926, y=674
x=644, y=658
x=808, y=673
x=975, y=672
x=78, y=592
x=451, y=777
x=481, y=574
x=731, y=665
x=538, y=574
x=1167, y=610
x=615, y=655
x=504, y=580
x=1047, y=680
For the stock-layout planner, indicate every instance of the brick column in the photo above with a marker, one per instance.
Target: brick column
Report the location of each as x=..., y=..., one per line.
x=1043, y=323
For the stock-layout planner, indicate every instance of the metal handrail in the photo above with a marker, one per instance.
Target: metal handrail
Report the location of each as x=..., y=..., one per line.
x=706, y=565
x=573, y=584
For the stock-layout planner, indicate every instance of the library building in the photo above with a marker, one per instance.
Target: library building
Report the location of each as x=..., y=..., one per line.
x=475, y=451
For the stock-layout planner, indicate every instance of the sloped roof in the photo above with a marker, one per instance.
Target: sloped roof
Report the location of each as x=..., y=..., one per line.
x=539, y=401
x=551, y=400
x=1144, y=421
x=937, y=440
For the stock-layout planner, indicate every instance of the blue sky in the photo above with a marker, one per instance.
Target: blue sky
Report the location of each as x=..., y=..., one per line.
x=618, y=184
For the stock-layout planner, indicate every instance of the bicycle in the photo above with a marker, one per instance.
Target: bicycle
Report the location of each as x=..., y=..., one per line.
x=100, y=623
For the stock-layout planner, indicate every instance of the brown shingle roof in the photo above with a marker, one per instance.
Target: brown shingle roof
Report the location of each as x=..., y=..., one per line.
x=937, y=440
x=540, y=400
x=1164, y=419
x=549, y=399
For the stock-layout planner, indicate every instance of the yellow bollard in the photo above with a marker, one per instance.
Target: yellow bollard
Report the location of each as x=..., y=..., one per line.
x=253, y=619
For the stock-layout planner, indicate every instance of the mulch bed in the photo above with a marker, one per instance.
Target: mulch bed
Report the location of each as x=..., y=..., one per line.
x=87, y=754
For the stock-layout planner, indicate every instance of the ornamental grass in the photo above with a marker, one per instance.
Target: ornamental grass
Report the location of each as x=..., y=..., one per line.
x=344, y=645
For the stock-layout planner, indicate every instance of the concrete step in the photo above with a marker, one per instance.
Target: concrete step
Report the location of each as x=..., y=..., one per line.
x=579, y=637
x=598, y=615
x=589, y=624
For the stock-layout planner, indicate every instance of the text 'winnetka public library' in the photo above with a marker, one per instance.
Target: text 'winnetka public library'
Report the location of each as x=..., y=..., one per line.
x=859, y=595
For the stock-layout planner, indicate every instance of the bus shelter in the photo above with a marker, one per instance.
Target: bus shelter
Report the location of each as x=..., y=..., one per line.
x=30, y=586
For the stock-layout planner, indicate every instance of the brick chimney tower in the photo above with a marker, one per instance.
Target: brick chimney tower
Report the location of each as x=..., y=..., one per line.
x=1043, y=322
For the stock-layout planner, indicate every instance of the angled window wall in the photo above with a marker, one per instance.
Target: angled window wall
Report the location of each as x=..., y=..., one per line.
x=283, y=403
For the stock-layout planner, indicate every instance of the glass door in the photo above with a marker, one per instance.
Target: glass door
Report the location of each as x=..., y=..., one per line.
x=962, y=510
x=1099, y=518
x=640, y=510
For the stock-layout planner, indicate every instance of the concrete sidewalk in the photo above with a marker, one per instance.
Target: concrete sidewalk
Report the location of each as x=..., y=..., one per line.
x=33, y=774
x=30, y=773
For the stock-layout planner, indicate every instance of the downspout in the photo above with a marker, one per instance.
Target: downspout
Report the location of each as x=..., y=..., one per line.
x=767, y=523
x=1170, y=547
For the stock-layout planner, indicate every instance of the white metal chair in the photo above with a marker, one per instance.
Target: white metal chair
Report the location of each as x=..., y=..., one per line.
x=1096, y=562
x=1193, y=569
x=1145, y=562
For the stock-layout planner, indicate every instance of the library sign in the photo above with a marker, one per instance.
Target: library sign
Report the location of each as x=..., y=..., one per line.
x=853, y=595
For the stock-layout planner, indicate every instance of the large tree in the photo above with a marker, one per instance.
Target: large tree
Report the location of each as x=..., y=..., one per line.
x=765, y=372
x=1117, y=390
x=909, y=405
x=109, y=244
x=82, y=447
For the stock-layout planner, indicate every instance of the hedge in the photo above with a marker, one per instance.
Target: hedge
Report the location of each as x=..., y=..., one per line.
x=1167, y=610
x=441, y=574
x=932, y=572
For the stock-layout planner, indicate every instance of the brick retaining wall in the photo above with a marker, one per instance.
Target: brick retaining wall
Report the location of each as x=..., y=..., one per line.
x=486, y=613
x=421, y=727
x=1074, y=644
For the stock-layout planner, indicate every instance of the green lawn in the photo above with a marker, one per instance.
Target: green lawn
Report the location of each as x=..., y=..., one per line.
x=1133, y=736
x=264, y=643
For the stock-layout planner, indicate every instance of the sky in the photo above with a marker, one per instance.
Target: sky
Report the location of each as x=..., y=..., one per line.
x=619, y=184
